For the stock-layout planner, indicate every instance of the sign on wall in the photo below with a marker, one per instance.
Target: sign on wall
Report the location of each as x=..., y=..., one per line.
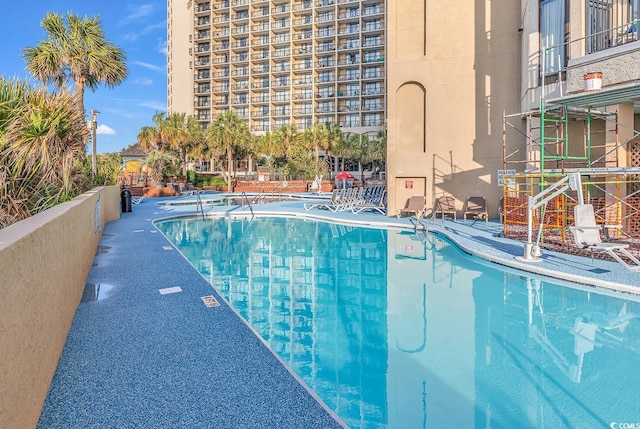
x=502, y=173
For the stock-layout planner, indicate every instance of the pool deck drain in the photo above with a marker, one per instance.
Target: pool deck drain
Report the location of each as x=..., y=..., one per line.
x=210, y=301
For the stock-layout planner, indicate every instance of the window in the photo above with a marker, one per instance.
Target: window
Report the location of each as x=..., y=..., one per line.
x=552, y=35
x=598, y=24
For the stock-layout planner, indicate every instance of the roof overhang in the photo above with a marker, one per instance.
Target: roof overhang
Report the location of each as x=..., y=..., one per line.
x=618, y=94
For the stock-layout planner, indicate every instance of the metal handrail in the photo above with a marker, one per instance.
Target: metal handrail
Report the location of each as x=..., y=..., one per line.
x=245, y=198
x=199, y=203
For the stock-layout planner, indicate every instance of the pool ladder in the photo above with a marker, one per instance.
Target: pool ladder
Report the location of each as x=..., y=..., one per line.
x=426, y=223
x=199, y=204
x=245, y=199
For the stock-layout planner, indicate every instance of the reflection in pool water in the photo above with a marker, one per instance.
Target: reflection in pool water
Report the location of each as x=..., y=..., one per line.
x=394, y=329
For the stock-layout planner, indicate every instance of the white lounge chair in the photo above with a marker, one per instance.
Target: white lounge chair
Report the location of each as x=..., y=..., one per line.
x=586, y=234
x=332, y=204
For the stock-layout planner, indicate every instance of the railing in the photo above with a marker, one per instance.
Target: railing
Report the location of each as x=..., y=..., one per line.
x=199, y=204
x=246, y=200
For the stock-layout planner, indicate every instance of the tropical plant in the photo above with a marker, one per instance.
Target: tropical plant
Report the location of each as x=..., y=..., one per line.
x=77, y=50
x=227, y=136
x=271, y=150
x=317, y=138
x=157, y=162
x=42, y=146
x=177, y=132
x=150, y=136
x=109, y=167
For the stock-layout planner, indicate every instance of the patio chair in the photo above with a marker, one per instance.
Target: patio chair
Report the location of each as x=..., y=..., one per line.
x=476, y=207
x=415, y=206
x=445, y=206
x=586, y=233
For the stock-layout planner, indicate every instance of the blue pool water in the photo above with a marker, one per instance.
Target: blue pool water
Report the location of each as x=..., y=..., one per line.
x=396, y=329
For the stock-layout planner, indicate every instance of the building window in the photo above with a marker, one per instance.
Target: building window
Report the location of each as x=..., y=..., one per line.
x=552, y=35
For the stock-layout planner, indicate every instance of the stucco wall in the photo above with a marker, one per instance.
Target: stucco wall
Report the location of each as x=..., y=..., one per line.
x=44, y=262
x=452, y=72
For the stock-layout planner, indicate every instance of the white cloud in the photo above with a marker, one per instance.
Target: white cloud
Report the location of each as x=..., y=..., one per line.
x=137, y=13
x=163, y=47
x=151, y=66
x=132, y=37
x=105, y=130
x=143, y=81
x=155, y=105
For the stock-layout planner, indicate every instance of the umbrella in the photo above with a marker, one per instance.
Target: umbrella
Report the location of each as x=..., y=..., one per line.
x=344, y=175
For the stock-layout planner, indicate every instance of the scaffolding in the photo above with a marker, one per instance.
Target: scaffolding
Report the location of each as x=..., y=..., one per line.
x=559, y=139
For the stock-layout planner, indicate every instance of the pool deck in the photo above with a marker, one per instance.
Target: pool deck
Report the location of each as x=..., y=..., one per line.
x=136, y=357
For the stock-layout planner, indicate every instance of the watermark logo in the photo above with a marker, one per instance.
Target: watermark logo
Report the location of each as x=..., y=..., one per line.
x=625, y=425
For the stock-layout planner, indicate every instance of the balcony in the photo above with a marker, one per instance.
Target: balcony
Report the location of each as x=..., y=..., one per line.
x=202, y=62
x=204, y=7
x=283, y=8
x=372, y=11
x=324, y=3
x=201, y=22
x=202, y=35
x=305, y=5
x=302, y=95
x=205, y=89
x=260, y=100
x=325, y=48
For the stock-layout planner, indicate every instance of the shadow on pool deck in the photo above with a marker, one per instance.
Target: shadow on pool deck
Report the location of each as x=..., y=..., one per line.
x=137, y=358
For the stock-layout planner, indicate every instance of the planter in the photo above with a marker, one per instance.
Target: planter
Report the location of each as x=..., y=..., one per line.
x=592, y=81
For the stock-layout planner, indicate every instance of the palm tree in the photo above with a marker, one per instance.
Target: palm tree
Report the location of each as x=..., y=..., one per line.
x=158, y=161
x=272, y=149
x=150, y=136
x=182, y=134
x=76, y=50
x=228, y=135
x=317, y=138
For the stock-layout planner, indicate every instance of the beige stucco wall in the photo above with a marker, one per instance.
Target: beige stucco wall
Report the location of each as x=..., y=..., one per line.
x=452, y=73
x=180, y=71
x=44, y=261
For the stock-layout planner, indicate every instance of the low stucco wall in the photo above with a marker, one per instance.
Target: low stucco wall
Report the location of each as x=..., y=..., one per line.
x=44, y=262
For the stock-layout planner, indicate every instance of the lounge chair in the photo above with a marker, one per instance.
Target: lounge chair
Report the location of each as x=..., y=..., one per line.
x=333, y=204
x=445, y=206
x=377, y=203
x=586, y=234
x=415, y=206
x=476, y=207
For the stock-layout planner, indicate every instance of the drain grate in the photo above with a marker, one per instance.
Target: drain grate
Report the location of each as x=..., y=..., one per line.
x=210, y=301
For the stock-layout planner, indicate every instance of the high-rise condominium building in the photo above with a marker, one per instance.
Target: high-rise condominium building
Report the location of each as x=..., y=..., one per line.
x=279, y=62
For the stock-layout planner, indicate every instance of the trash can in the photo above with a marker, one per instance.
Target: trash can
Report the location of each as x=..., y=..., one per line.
x=125, y=201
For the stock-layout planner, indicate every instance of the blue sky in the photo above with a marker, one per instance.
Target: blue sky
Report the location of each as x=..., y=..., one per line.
x=140, y=29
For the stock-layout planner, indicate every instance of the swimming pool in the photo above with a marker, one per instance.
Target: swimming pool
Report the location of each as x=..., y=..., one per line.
x=235, y=199
x=396, y=329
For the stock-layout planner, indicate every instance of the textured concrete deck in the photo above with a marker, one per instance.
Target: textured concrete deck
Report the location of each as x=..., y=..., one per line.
x=138, y=358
